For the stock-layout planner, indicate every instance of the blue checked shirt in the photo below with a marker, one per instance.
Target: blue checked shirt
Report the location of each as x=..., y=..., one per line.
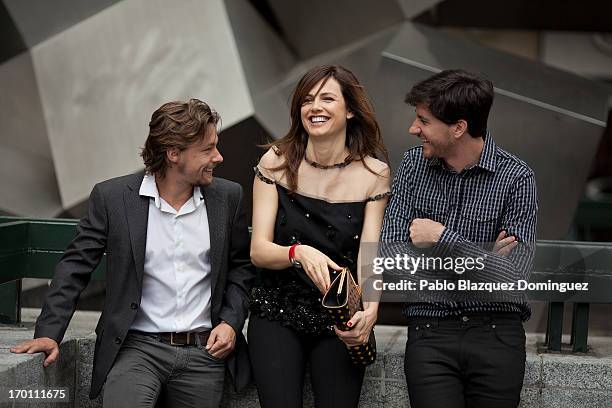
x=498, y=193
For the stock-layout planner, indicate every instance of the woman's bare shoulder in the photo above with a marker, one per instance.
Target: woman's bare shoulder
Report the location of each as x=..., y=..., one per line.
x=377, y=166
x=271, y=159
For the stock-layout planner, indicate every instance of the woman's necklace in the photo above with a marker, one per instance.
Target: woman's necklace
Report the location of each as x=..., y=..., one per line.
x=316, y=165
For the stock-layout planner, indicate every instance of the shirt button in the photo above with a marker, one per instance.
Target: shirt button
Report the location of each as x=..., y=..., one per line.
x=465, y=318
x=117, y=340
x=134, y=306
x=307, y=215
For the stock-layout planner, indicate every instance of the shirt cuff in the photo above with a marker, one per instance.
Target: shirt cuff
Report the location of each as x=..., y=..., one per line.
x=444, y=246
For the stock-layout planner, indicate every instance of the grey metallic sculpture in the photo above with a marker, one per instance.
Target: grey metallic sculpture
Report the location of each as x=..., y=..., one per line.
x=70, y=116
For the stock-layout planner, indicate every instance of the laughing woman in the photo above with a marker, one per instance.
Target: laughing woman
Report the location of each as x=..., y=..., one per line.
x=318, y=192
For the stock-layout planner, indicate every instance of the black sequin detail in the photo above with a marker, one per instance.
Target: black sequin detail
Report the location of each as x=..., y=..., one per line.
x=331, y=232
x=295, y=306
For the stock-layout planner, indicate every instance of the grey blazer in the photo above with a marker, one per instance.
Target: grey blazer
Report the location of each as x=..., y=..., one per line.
x=116, y=223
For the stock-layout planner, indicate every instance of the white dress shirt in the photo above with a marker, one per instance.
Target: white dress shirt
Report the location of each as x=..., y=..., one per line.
x=176, y=286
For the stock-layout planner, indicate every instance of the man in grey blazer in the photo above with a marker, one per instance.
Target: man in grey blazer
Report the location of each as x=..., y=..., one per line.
x=178, y=272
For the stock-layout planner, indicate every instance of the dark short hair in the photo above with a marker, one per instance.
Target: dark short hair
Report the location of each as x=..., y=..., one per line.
x=175, y=125
x=455, y=94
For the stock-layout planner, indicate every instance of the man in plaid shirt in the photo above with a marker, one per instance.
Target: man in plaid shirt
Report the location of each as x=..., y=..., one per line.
x=453, y=194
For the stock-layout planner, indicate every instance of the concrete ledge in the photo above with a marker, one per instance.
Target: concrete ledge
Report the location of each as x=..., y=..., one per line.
x=25, y=371
x=551, y=380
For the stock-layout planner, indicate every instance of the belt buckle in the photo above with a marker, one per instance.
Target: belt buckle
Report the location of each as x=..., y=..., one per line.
x=173, y=343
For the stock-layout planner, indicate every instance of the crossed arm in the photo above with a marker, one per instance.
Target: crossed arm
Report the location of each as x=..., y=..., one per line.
x=508, y=261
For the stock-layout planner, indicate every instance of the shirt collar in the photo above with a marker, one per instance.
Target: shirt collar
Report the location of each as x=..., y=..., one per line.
x=198, y=196
x=487, y=157
x=148, y=188
x=434, y=162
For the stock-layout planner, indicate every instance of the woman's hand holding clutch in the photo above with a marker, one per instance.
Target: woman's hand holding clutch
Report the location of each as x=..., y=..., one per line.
x=316, y=265
x=361, y=326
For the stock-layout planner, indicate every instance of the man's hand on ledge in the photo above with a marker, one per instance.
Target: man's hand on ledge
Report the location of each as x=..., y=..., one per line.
x=42, y=344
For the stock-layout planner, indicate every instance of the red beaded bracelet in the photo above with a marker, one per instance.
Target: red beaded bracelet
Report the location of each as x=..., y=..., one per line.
x=292, y=252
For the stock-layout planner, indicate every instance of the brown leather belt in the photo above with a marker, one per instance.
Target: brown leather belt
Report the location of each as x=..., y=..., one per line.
x=182, y=338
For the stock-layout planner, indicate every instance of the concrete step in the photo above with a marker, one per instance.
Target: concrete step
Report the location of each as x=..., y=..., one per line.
x=551, y=380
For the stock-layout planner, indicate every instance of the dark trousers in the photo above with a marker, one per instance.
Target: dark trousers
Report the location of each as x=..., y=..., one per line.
x=465, y=362
x=279, y=356
x=189, y=375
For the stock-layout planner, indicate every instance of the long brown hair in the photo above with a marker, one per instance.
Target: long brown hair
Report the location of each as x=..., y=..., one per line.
x=363, y=136
x=175, y=125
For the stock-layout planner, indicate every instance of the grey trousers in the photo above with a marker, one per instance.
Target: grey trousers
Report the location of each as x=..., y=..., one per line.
x=189, y=375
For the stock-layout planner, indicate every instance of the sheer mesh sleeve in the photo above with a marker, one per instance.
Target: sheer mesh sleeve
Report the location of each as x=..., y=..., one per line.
x=260, y=175
x=381, y=188
x=379, y=196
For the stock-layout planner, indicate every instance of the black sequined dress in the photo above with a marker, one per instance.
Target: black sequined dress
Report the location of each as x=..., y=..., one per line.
x=288, y=295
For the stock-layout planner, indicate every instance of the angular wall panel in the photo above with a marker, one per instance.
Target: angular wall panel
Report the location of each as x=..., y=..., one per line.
x=12, y=43
x=412, y=8
x=429, y=47
x=38, y=20
x=101, y=80
x=316, y=26
x=265, y=57
x=27, y=175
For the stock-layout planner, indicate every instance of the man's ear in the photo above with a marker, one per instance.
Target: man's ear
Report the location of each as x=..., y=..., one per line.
x=460, y=128
x=172, y=155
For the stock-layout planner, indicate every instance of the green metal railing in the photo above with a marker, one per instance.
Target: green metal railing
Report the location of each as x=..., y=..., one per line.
x=578, y=262
x=30, y=248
